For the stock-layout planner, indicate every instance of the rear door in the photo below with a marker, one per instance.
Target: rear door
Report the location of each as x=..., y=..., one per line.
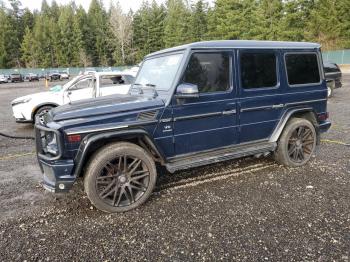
x=209, y=121
x=260, y=91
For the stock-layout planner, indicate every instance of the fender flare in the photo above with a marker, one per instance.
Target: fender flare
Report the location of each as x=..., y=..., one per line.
x=288, y=114
x=41, y=105
x=91, y=139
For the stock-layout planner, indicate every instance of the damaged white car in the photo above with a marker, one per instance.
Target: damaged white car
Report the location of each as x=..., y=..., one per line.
x=26, y=108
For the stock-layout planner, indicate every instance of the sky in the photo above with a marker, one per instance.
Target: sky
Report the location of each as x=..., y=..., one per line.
x=126, y=4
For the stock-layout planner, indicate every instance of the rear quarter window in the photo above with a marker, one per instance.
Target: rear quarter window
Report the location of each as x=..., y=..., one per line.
x=258, y=70
x=302, y=68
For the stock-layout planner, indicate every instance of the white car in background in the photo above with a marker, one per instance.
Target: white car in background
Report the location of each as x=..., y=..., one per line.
x=26, y=108
x=64, y=75
x=3, y=79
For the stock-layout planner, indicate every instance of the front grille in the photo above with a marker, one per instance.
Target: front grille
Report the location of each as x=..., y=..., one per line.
x=150, y=115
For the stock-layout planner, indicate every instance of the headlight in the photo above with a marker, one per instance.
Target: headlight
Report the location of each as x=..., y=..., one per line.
x=49, y=142
x=22, y=101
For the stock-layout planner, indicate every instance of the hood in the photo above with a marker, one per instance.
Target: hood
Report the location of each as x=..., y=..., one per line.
x=106, y=105
x=40, y=95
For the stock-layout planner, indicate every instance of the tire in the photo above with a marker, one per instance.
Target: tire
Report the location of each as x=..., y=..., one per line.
x=112, y=189
x=41, y=110
x=296, y=144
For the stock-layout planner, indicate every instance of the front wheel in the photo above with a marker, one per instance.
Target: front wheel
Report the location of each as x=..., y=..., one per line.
x=297, y=143
x=120, y=177
x=41, y=112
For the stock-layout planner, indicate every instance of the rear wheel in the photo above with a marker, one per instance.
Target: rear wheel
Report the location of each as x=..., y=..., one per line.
x=297, y=143
x=120, y=177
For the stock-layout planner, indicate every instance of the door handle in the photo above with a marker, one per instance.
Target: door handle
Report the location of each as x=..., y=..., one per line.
x=277, y=106
x=229, y=112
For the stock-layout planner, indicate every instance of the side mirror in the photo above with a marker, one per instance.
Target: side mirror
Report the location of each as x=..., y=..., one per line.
x=187, y=90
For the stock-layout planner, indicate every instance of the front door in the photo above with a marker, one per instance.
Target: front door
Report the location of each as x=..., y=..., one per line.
x=209, y=121
x=261, y=103
x=82, y=89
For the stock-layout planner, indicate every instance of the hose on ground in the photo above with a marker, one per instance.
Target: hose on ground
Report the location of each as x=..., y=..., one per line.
x=17, y=137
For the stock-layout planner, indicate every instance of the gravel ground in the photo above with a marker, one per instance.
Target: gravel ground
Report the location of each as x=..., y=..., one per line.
x=248, y=209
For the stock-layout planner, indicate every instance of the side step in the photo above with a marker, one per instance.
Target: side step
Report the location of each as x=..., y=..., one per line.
x=219, y=155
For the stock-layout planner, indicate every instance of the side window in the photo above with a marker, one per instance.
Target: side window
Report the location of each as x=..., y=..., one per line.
x=110, y=81
x=82, y=84
x=258, y=70
x=302, y=68
x=209, y=71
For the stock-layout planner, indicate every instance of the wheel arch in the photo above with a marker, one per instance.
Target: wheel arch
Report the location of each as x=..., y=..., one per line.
x=304, y=112
x=36, y=108
x=93, y=142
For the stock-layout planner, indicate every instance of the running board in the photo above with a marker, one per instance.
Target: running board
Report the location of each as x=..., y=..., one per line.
x=219, y=155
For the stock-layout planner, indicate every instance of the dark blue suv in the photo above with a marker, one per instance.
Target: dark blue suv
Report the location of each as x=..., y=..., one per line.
x=190, y=106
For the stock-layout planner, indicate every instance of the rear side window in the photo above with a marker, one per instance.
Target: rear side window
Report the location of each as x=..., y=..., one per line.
x=302, y=69
x=209, y=71
x=258, y=70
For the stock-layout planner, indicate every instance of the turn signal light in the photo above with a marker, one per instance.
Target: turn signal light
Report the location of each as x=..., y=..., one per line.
x=74, y=138
x=323, y=116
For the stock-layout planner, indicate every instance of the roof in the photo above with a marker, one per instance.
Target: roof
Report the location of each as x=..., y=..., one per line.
x=242, y=44
x=112, y=73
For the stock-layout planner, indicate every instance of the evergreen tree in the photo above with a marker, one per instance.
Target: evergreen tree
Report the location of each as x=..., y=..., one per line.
x=176, y=29
x=324, y=25
x=269, y=16
x=199, y=21
x=97, y=35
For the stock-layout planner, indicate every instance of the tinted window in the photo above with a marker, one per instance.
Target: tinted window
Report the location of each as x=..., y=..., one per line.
x=209, y=71
x=258, y=70
x=302, y=69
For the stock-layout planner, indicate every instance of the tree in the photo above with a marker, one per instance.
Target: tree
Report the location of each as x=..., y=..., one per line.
x=199, y=21
x=324, y=25
x=176, y=31
x=121, y=26
x=97, y=36
x=28, y=49
x=269, y=15
x=148, y=29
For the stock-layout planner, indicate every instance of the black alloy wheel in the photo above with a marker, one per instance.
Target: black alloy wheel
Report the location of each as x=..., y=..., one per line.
x=301, y=144
x=122, y=181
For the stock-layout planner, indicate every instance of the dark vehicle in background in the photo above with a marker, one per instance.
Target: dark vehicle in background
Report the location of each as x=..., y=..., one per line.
x=53, y=75
x=32, y=77
x=333, y=77
x=191, y=105
x=16, y=78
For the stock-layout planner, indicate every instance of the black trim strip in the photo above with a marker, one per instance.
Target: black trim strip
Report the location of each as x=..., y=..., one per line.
x=305, y=102
x=197, y=116
x=249, y=109
x=110, y=128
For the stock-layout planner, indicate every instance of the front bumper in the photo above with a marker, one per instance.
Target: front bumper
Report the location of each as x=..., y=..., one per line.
x=324, y=126
x=19, y=115
x=58, y=176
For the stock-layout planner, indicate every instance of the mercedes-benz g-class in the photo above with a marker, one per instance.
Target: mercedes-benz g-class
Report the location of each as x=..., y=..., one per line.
x=190, y=106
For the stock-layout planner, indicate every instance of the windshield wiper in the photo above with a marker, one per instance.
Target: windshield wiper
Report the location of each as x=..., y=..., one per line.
x=153, y=88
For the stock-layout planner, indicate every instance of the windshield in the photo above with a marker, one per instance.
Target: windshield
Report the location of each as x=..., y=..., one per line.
x=158, y=73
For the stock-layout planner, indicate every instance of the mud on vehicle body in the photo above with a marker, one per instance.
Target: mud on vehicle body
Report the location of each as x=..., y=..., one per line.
x=190, y=106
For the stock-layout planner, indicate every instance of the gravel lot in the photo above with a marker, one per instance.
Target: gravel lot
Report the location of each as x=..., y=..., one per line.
x=250, y=209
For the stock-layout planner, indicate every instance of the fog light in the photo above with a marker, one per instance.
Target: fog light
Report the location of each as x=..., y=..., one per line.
x=61, y=186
